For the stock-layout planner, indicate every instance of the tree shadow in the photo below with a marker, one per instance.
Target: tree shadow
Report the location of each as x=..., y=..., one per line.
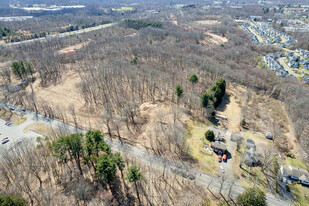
x=226, y=201
x=247, y=171
x=213, y=194
x=225, y=101
x=214, y=121
x=116, y=189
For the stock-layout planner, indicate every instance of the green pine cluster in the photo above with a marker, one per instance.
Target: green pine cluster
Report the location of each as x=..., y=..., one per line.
x=214, y=94
x=5, y=32
x=22, y=69
x=138, y=24
x=90, y=149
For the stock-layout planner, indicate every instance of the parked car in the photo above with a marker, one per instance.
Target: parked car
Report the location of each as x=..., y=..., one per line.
x=9, y=124
x=304, y=183
x=222, y=169
x=19, y=141
x=23, y=109
x=191, y=176
x=12, y=108
x=219, y=158
x=224, y=157
x=293, y=178
x=5, y=138
x=5, y=141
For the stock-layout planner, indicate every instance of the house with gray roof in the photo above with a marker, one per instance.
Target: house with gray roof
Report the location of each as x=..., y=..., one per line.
x=288, y=171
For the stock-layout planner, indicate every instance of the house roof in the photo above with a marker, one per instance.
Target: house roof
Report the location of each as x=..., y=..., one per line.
x=236, y=137
x=218, y=145
x=251, y=159
x=250, y=143
x=295, y=171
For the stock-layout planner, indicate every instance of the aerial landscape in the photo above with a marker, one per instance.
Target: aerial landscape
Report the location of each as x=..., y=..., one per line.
x=133, y=102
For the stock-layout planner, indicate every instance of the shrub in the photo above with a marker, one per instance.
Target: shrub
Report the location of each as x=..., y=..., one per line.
x=252, y=197
x=193, y=78
x=209, y=135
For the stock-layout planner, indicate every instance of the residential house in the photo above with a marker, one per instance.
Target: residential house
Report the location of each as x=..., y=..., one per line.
x=252, y=159
x=294, y=173
x=219, y=147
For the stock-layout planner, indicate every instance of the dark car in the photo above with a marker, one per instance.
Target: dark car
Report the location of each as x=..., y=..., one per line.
x=304, y=183
x=5, y=141
x=190, y=176
x=293, y=178
x=12, y=108
x=23, y=109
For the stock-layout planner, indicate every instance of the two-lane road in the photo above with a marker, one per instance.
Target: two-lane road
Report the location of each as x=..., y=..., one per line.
x=157, y=162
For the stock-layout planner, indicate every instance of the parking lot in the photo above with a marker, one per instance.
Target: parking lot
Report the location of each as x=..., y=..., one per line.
x=16, y=134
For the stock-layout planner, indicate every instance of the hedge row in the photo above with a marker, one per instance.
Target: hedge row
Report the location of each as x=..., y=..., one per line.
x=138, y=24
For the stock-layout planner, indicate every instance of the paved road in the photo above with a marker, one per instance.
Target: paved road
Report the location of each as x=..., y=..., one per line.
x=142, y=156
x=60, y=35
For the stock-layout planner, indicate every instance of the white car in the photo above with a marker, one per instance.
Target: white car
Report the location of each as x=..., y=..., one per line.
x=222, y=169
x=19, y=141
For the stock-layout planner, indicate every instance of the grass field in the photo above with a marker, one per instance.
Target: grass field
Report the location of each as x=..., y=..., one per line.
x=40, y=128
x=20, y=121
x=125, y=8
x=301, y=193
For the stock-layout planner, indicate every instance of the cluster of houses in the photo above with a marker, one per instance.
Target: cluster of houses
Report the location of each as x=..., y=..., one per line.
x=295, y=61
x=269, y=34
x=303, y=52
x=263, y=33
x=272, y=35
x=253, y=36
x=271, y=62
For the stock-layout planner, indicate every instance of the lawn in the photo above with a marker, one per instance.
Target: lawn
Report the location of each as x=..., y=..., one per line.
x=20, y=121
x=301, y=193
x=195, y=139
x=125, y=8
x=296, y=163
x=40, y=128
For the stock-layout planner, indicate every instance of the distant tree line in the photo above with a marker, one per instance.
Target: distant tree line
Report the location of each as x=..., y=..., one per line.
x=214, y=94
x=138, y=24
